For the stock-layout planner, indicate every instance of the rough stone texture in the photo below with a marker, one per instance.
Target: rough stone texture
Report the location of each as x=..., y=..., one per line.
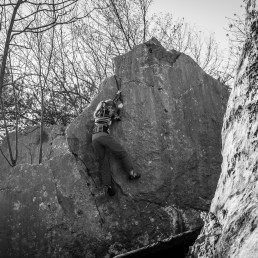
x=47, y=210
x=235, y=203
x=205, y=243
x=170, y=126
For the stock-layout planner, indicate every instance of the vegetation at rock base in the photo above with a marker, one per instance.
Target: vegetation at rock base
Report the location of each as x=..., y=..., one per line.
x=56, y=53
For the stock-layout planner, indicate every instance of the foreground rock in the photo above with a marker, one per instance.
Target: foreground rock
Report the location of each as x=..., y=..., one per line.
x=170, y=126
x=231, y=226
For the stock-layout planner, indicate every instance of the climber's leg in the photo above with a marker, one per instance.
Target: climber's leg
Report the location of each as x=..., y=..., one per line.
x=120, y=153
x=108, y=142
x=105, y=170
x=104, y=166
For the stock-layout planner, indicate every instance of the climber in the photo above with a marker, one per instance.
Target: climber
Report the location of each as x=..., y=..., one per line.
x=103, y=143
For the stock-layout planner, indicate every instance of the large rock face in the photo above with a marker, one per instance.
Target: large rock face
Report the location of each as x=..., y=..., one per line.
x=231, y=226
x=171, y=124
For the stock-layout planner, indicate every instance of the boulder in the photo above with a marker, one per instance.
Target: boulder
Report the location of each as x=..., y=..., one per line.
x=171, y=124
x=230, y=228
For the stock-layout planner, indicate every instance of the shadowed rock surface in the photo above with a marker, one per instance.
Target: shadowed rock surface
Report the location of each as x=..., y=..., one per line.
x=173, y=247
x=171, y=124
x=230, y=228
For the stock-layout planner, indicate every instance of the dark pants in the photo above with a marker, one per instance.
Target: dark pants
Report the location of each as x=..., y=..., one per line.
x=104, y=144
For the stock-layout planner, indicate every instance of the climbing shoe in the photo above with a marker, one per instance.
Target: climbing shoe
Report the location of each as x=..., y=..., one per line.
x=134, y=176
x=111, y=190
x=117, y=118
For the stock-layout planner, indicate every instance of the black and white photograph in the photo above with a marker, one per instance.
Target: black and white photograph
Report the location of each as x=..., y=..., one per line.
x=128, y=129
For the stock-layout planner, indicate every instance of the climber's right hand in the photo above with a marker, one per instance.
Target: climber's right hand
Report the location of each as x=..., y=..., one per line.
x=120, y=105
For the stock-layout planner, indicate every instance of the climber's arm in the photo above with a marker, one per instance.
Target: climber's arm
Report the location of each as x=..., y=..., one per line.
x=117, y=97
x=119, y=105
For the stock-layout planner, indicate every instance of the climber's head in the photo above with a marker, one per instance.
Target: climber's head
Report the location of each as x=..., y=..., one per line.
x=105, y=108
x=110, y=105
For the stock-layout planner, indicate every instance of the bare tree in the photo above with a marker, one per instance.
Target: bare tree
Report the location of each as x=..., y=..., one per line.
x=237, y=33
x=113, y=29
x=21, y=17
x=120, y=25
x=43, y=77
x=128, y=20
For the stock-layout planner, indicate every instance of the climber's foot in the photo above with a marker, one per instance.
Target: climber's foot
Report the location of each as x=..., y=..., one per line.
x=111, y=190
x=134, y=175
x=117, y=118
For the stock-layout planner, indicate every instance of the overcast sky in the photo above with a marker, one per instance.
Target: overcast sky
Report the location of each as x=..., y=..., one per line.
x=208, y=15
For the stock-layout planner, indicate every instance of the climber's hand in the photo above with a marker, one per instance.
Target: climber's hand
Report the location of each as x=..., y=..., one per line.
x=120, y=105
